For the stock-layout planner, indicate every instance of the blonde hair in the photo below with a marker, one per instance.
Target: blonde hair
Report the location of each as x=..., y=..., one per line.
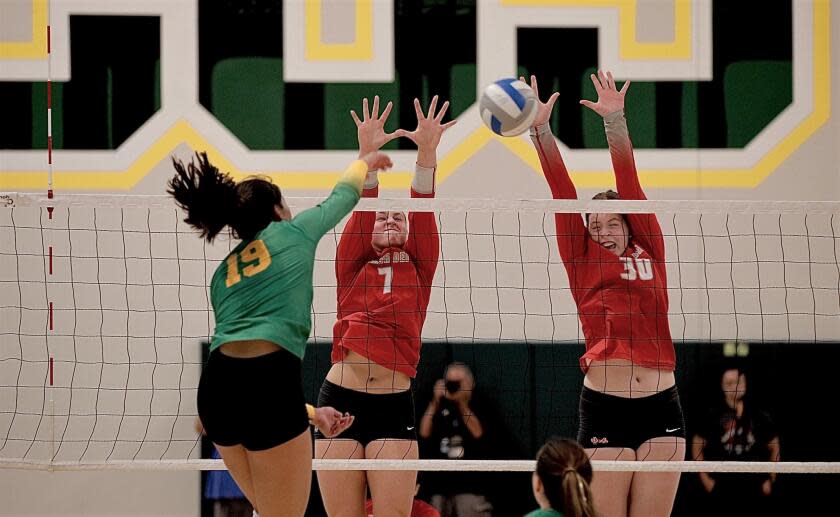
x=565, y=472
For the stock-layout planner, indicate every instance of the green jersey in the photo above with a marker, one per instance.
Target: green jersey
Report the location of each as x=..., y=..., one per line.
x=545, y=513
x=263, y=289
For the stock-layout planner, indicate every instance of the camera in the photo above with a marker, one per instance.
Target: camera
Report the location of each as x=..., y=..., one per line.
x=453, y=386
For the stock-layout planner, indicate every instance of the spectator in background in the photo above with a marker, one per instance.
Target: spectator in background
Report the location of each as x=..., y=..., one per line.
x=451, y=429
x=735, y=430
x=220, y=488
x=561, y=480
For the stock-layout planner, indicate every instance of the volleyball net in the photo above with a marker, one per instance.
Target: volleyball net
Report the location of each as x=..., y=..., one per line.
x=104, y=307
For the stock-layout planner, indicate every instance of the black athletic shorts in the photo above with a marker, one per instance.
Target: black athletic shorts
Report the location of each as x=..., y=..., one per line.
x=610, y=421
x=377, y=416
x=256, y=402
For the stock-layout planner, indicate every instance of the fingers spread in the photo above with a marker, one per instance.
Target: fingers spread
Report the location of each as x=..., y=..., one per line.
x=399, y=133
x=442, y=111
x=596, y=83
x=551, y=100
x=432, y=107
x=624, y=88
x=534, y=86
x=610, y=81
x=417, y=109
x=388, y=108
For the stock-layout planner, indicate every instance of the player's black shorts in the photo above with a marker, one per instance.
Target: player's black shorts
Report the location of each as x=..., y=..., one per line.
x=610, y=421
x=256, y=402
x=377, y=416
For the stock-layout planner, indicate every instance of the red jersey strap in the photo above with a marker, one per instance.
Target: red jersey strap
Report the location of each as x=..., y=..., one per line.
x=572, y=235
x=644, y=228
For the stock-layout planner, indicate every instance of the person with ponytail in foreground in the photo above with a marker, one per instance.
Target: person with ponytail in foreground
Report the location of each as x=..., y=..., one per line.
x=250, y=396
x=561, y=481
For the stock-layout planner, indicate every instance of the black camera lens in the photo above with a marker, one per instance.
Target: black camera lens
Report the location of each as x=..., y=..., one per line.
x=453, y=386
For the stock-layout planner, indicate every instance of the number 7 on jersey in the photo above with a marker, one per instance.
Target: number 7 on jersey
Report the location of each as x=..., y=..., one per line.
x=388, y=273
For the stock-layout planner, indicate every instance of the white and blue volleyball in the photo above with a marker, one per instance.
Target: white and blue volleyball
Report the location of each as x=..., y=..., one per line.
x=508, y=107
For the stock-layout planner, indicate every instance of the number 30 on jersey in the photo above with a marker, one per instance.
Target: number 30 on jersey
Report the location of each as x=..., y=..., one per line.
x=636, y=268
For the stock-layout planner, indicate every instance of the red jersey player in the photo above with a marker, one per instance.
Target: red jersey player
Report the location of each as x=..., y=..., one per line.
x=385, y=264
x=629, y=406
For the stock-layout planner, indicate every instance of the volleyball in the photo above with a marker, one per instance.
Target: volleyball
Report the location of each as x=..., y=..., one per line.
x=508, y=107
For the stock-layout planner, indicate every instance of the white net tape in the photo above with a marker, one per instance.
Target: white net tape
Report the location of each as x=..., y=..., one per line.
x=782, y=467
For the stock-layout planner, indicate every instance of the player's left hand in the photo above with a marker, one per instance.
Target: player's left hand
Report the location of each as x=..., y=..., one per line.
x=332, y=422
x=610, y=99
x=429, y=126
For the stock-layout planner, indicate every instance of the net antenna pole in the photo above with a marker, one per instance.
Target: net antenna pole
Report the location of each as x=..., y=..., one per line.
x=50, y=209
x=49, y=113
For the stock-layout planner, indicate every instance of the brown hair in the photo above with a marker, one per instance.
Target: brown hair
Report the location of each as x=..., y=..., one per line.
x=213, y=200
x=565, y=472
x=607, y=194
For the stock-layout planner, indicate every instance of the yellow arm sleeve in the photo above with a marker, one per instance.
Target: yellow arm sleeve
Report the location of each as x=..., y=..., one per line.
x=355, y=175
x=310, y=412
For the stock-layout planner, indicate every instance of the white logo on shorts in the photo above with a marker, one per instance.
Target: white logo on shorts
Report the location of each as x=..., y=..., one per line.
x=672, y=430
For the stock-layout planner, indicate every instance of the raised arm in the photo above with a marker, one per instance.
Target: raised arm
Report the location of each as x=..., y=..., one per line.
x=644, y=227
x=320, y=219
x=423, y=244
x=354, y=248
x=571, y=233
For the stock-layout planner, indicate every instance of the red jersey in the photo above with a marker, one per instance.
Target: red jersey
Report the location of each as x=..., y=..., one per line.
x=382, y=297
x=622, y=301
x=419, y=508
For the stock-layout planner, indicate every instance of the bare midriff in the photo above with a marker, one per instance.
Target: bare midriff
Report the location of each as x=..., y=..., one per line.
x=622, y=378
x=249, y=348
x=358, y=373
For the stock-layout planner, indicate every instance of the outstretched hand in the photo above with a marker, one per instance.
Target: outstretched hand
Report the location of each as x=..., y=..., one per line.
x=332, y=422
x=543, y=108
x=377, y=161
x=429, y=127
x=371, y=128
x=610, y=99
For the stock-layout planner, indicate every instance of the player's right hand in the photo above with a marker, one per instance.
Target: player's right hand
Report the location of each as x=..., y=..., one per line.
x=370, y=129
x=377, y=161
x=332, y=422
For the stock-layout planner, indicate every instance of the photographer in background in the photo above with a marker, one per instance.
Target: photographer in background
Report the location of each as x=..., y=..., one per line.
x=452, y=429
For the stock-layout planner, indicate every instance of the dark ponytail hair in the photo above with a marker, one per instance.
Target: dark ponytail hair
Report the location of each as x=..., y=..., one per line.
x=213, y=200
x=565, y=472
